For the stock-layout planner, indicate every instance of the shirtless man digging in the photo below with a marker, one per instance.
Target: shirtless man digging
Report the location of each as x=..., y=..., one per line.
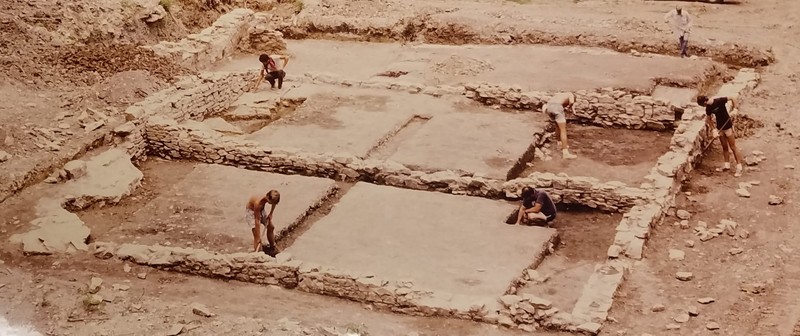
x=256, y=216
x=555, y=108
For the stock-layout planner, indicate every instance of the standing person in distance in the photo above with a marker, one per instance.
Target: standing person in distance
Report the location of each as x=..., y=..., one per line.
x=681, y=24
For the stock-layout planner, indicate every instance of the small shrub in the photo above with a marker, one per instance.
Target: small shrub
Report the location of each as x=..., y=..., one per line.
x=356, y=330
x=165, y=3
x=298, y=6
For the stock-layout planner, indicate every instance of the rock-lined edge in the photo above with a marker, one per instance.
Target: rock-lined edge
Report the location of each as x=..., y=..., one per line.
x=664, y=180
x=606, y=107
x=400, y=296
x=172, y=140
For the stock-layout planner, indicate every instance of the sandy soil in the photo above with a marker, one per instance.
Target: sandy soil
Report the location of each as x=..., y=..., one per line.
x=607, y=154
x=182, y=205
x=372, y=230
x=584, y=237
x=534, y=68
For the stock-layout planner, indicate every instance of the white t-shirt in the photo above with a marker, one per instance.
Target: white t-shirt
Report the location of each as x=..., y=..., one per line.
x=681, y=24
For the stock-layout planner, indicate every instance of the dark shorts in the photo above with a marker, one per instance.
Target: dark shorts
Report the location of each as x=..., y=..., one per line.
x=273, y=75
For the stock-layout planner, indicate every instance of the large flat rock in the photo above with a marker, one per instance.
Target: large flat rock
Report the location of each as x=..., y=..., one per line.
x=110, y=176
x=207, y=207
x=55, y=230
x=447, y=243
x=489, y=144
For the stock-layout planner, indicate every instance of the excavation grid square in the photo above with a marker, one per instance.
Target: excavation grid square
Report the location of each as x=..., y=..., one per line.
x=481, y=143
x=334, y=124
x=210, y=203
x=444, y=243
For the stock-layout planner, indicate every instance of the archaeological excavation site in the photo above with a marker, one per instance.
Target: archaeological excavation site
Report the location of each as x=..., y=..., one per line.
x=400, y=147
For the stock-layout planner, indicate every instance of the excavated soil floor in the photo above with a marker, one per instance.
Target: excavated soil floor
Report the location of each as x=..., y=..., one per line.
x=606, y=153
x=533, y=68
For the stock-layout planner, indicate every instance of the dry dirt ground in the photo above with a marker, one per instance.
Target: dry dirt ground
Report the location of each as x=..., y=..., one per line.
x=54, y=68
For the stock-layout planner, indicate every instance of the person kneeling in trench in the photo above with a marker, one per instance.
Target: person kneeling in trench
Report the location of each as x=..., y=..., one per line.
x=256, y=216
x=537, y=208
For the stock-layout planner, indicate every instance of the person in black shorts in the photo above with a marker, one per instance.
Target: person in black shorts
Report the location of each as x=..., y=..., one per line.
x=723, y=129
x=537, y=208
x=271, y=71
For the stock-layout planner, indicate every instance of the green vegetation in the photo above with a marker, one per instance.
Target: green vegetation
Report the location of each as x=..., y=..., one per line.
x=357, y=329
x=298, y=6
x=165, y=3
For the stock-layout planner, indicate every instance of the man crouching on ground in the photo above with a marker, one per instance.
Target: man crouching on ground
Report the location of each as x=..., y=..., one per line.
x=536, y=208
x=271, y=71
x=257, y=216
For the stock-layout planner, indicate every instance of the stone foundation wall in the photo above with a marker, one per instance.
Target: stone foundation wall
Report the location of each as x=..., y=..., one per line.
x=169, y=139
x=691, y=137
x=220, y=40
x=399, y=296
x=604, y=107
x=193, y=97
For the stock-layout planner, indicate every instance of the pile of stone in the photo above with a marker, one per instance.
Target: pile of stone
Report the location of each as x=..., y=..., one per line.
x=262, y=38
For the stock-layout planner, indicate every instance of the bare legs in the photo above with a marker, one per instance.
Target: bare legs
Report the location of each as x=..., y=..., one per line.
x=271, y=237
x=256, y=240
x=562, y=134
x=728, y=142
x=523, y=217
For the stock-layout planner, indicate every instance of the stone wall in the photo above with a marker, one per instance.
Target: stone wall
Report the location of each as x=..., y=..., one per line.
x=400, y=296
x=604, y=107
x=687, y=145
x=193, y=97
x=261, y=38
x=220, y=40
x=167, y=138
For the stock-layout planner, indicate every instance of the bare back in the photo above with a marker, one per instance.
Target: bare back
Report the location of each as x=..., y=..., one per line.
x=254, y=202
x=562, y=98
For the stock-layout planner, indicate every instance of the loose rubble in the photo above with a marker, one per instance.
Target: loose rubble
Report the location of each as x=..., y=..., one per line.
x=201, y=310
x=775, y=200
x=684, y=276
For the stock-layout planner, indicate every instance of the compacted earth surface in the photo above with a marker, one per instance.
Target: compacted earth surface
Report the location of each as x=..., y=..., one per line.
x=66, y=87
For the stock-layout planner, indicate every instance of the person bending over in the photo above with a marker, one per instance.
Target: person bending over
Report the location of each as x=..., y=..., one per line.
x=723, y=129
x=271, y=71
x=555, y=108
x=537, y=207
x=257, y=216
